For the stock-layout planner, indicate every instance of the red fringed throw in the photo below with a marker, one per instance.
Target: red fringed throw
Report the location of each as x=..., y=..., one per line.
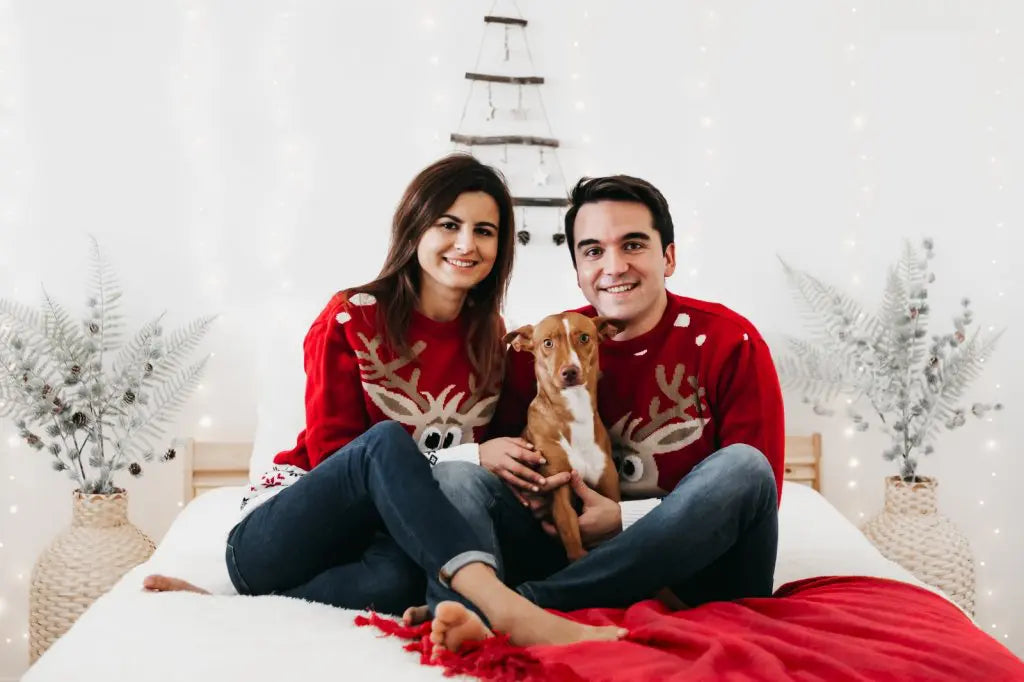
x=839, y=628
x=491, y=659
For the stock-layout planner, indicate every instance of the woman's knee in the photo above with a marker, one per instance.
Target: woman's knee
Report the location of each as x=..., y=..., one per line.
x=390, y=442
x=389, y=430
x=389, y=439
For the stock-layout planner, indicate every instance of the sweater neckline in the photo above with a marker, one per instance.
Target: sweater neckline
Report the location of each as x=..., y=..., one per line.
x=648, y=338
x=421, y=325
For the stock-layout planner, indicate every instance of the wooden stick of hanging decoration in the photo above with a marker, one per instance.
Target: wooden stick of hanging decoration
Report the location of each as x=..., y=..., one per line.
x=542, y=174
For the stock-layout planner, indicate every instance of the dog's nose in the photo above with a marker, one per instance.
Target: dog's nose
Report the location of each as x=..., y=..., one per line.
x=570, y=375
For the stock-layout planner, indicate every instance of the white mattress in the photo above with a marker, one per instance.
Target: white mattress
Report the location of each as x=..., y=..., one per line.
x=131, y=635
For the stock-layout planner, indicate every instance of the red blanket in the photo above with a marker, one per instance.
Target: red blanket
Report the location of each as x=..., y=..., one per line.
x=838, y=628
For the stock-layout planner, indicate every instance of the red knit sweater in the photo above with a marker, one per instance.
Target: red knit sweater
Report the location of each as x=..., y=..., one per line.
x=702, y=379
x=354, y=380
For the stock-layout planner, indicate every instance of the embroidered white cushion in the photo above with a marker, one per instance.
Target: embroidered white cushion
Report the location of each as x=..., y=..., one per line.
x=281, y=380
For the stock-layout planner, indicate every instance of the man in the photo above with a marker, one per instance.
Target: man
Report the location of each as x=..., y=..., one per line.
x=692, y=403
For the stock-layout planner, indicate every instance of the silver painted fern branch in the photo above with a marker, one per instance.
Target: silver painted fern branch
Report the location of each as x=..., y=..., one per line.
x=913, y=387
x=83, y=395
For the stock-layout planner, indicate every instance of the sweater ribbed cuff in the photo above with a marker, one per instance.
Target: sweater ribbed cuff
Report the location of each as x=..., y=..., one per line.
x=467, y=452
x=634, y=510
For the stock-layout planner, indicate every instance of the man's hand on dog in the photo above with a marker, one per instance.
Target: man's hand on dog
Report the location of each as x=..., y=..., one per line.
x=512, y=460
x=601, y=518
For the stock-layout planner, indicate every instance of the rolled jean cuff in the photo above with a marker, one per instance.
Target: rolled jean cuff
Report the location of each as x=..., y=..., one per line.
x=456, y=563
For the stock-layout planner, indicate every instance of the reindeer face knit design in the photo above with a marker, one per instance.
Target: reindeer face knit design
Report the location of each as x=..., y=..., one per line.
x=354, y=380
x=442, y=421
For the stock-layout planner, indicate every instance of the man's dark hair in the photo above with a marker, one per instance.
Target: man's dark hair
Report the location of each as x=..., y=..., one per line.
x=619, y=188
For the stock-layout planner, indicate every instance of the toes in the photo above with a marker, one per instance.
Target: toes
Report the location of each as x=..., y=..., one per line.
x=438, y=629
x=414, y=615
x=449, y=613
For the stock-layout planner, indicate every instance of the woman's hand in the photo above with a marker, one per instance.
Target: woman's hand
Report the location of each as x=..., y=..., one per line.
x=511, y=460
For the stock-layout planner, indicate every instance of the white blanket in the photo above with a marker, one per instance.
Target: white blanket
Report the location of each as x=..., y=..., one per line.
x=131, y=635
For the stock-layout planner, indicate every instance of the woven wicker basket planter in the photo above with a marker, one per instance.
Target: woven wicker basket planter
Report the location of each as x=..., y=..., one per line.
x=81, y=564
x=911, y=532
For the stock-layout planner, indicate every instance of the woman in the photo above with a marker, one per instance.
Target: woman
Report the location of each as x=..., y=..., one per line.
x=405, y=366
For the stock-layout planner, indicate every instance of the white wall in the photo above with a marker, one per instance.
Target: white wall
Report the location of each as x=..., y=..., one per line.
x=224, y=153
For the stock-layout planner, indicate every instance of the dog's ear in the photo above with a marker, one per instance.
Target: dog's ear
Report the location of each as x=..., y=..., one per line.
x=608, y=327
x=521, y=339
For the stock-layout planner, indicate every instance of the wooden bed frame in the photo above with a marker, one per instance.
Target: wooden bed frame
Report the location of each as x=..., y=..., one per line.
x=210, y=465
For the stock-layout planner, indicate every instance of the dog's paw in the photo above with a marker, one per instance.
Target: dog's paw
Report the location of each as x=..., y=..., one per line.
x=576, y=555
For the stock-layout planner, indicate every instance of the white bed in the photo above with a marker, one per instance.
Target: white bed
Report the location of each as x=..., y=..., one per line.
x=131, y=635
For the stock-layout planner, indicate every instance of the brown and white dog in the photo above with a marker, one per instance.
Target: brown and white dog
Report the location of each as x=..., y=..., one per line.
x=562, y=422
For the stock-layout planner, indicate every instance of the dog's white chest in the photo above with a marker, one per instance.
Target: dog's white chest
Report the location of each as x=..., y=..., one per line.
x=585, y=454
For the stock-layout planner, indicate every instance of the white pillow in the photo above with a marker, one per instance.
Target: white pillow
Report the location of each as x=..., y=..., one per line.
x=281, y=383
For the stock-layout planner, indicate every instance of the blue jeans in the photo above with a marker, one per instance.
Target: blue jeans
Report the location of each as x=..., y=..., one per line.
x=367, y=528
x=713, y=538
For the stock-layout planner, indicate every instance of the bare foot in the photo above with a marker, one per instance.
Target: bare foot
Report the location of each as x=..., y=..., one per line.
x=414, y=615
x=454, y=624
x=162, y=583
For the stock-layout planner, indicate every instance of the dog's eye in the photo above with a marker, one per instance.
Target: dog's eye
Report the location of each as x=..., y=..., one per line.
x=584, y=338
x=632, y=468
x=548, y=343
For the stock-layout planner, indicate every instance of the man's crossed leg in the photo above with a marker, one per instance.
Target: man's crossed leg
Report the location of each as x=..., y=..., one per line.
x=713, y=538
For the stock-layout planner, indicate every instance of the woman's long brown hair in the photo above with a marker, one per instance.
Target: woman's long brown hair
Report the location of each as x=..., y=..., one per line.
x=397, y=286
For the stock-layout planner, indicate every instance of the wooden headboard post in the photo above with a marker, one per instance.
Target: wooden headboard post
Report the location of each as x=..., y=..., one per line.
x=803, y=460
x=214, y=465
